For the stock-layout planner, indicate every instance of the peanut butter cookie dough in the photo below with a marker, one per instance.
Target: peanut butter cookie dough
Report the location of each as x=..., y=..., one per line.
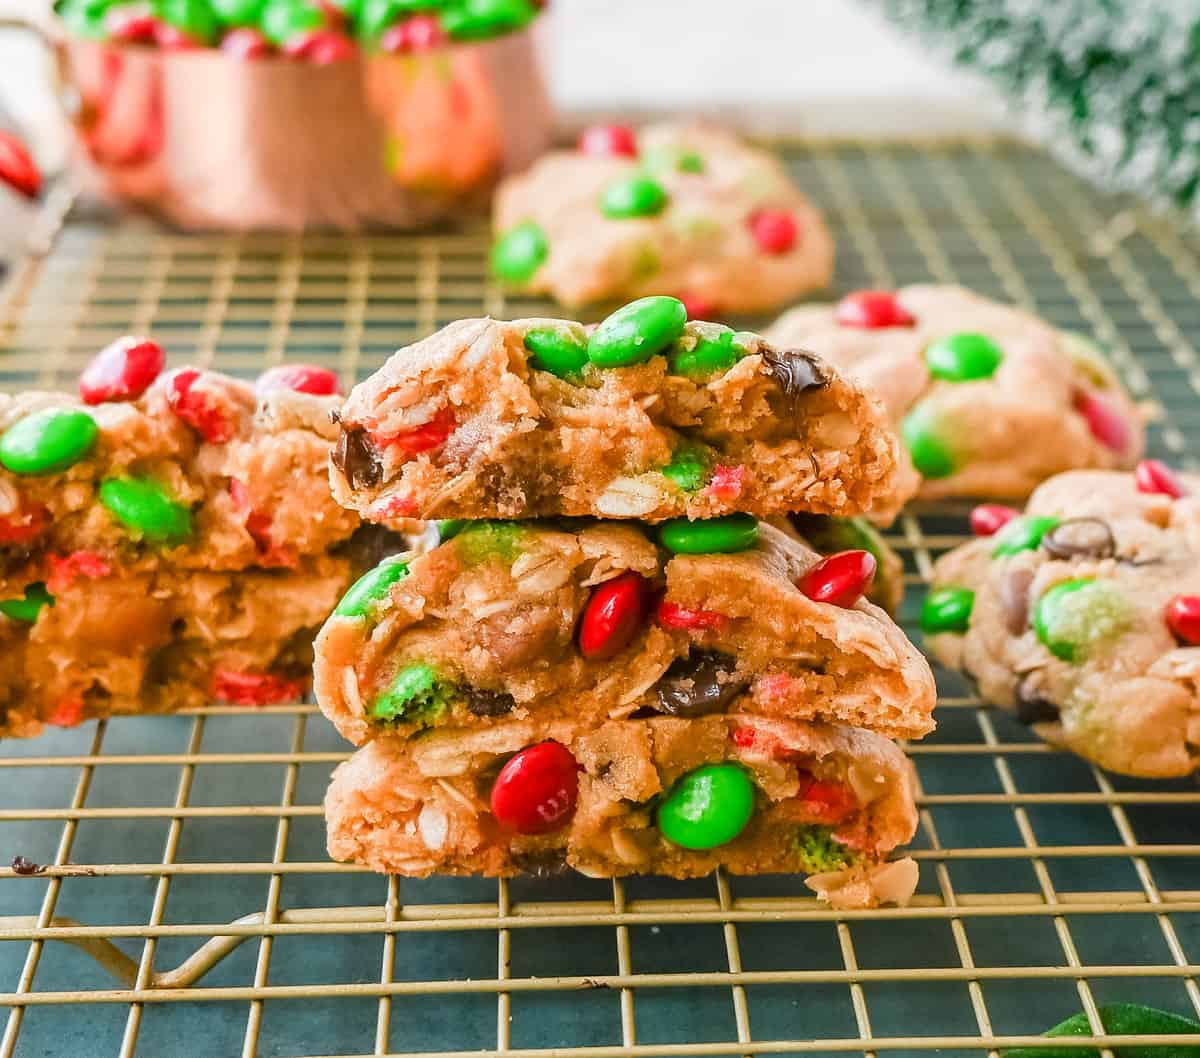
x=663, y=796
x=647, y=417
x=598, y=621
x=675, y=209
x=989, y=400
x=1082, y=615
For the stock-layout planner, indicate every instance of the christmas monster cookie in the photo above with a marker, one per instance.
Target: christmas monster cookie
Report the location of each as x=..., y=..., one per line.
x=684, y=210
x=89, y=638
x=185, y=468
x=647, y=417
x=662, y=796
x=599, y=621
x=989, y=400
x=1082, y=615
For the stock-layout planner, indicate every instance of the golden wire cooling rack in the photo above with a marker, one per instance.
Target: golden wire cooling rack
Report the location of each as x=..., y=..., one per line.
x=182, y=903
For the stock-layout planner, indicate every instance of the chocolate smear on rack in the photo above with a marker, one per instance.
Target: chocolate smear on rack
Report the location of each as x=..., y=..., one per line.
x=21, y=865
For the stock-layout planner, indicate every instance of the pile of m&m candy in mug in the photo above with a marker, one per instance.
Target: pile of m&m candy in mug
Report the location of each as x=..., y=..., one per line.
x=317, y=31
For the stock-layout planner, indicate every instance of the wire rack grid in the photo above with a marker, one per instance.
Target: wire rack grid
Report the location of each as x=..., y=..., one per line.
x=184, y=905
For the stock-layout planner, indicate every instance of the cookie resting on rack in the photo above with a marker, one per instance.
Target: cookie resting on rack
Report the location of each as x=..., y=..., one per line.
x=1082, y=615
x=989, y=399
x=599, y=620
x=647, y=417
x=686, y=210
x=660, y=796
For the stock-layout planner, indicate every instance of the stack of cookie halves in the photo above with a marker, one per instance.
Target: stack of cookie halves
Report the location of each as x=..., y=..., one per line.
x=167, y=538
x=622, y=656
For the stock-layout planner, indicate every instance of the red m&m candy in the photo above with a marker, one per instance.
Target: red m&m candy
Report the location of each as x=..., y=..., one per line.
x=303, y=378
x=17, y=167
x=698, y=307
x=775, y=230
x=612, y=616
x=131, y=24
x=871, y=310
x=424, y=437
x=672, y=615
x=319, y=46
x=197, y=408
x=841, y=579
x=417, y=34
x=1105, y=424
x=121, y=371
x=608, y=141
x=989, y=518
x=24, y=525
x=246, y=42
x=536, y=790
x=1183, y=618
x=1154, y=476
x=254, y=688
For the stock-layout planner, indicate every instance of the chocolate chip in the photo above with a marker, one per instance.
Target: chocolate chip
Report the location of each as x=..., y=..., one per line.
x=795, y=370
x=355, y=456
x=545, y=863
x=489, y=703
x=1080, y=538
x=699, y=684
x=21, y=865
x=1014, y=599
x=1032, y=708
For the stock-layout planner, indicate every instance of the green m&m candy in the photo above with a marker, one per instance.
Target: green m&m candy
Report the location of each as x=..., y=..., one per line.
x=84, y=18
x=707, y=807
x=370, y=588
x=238, y=12
x=1022, y=534
x=688, y=469
x=635, y=332
x=930, y=454
x=734, y=532
x=690, y=162
x=1076, y=615
x=664, y=158
x=699, y=356
x=635, y=196
x=947, y=610
x=558, y=351
x=48, y=441
x=196, y=18
x=28, y=608
x=144, y=506
x=963, y=357
x=284, y=20
x=415, y=694
x=519, y=252
x=449, y=528
x=481, y=19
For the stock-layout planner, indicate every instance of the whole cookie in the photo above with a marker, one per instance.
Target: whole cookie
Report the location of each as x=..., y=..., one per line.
x=1083, y=615
x=989, y=400
x=675, y=209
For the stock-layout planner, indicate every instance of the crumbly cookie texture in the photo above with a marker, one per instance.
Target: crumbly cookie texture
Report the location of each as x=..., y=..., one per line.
x=686, y=210
x=648, y=417
x=525, y=620
x=112, y=641
x=1083, y=616
x=989, y=400
x=219, y=481
x=828, y=801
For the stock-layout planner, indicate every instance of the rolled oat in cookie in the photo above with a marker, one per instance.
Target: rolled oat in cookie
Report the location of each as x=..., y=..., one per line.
x=1082, y=616
x=648, y=417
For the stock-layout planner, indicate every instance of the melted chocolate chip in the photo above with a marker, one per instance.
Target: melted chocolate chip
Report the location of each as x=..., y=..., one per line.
x=21, y=865
x=1014, y=599
x=547, y=863
x=1032, y=708
x=699, y=684
x=1080, y=538
x=795, y=370
x=489, y=703
x=355, y=456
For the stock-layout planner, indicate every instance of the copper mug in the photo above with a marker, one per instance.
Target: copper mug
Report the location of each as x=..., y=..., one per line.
x=207, y=141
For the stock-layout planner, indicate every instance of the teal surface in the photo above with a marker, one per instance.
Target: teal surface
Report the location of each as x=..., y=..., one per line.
x=1025, y=854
